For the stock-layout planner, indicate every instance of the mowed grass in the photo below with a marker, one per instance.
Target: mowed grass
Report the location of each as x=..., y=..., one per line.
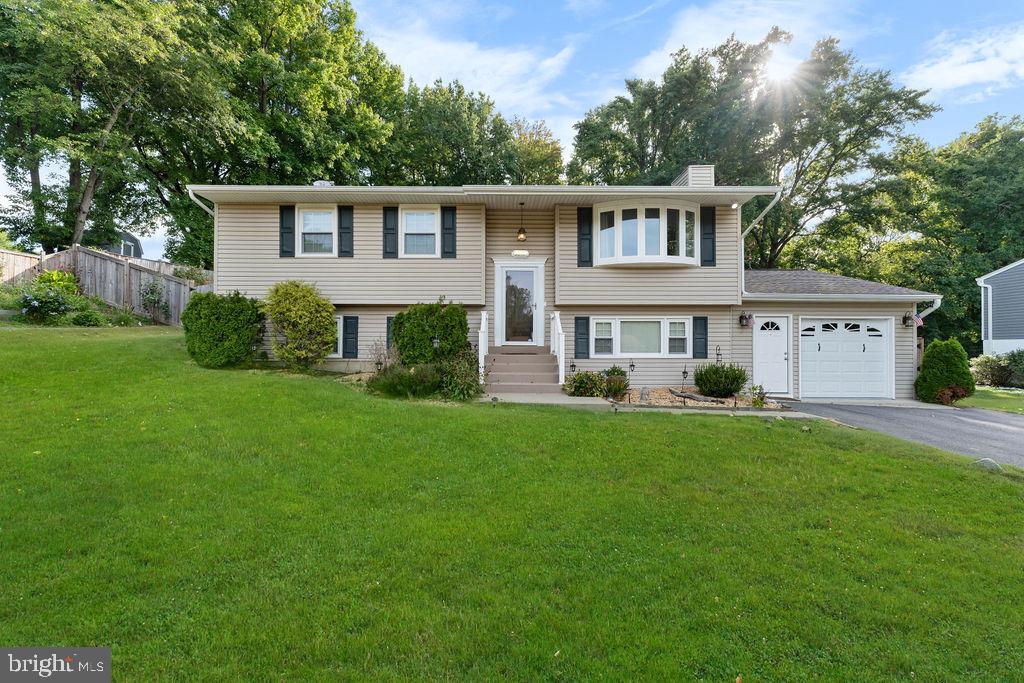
x=219, y=525
x=995, y=399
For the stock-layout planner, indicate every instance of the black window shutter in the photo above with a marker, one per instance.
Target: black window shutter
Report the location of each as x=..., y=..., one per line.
x=345, y=231
x=584, y=237
x=350, y=336
x=390, y=338
x=287, y=227
x=707, y=235
x=582, y=336
x=700, y=337
x=447, y=232
x=390, y=232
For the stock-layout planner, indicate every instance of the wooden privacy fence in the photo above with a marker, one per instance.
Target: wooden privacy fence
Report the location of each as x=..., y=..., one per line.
x=16, y=266
x=119, y=281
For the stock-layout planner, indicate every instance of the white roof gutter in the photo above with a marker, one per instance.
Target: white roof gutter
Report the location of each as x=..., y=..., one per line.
x=199, y=203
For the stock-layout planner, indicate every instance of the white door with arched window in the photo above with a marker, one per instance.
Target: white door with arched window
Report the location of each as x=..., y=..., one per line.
x=772, y=342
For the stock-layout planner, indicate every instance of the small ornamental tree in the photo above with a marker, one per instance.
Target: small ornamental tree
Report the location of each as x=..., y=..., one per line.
x=945, y=375
x=221, y=331
x=304, y=323
x=415, y=328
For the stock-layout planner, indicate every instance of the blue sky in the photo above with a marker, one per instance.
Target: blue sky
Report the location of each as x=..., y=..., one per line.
x=555, y=60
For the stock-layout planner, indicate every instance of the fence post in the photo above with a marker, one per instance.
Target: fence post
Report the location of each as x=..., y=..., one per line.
x=126, y=294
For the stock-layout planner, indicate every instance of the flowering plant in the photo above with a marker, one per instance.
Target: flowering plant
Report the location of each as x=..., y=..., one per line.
x=44, y=304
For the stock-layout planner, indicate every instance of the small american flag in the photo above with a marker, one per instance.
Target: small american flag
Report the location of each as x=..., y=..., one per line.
x=918, y=320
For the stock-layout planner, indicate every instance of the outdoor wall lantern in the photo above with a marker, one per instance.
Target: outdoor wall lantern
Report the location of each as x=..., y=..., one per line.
x=379, y=365
x=632, y=365
x=746, y=319
x=686, y=373
x=908, y=319
x=572, y=367
x=718, y=354
x=521, y=232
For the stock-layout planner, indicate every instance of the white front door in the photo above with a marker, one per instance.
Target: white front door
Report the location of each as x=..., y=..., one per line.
x=846, y=358
x=519, y=302
x=771, y=353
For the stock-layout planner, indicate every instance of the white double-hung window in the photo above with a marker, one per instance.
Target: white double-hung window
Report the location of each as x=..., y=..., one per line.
x=316, y=233
x=647, y=233
x=641, y=337
x=420, y=232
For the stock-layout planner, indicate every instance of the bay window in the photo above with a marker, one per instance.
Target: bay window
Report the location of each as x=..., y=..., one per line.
x=641, y=337
x=647, y=233
x=317, y=225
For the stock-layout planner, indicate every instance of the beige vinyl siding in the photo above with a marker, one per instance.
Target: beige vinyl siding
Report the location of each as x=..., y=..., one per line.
x=373, y=329
x=540, y=242
x=686, y=285
x=247, y=247
x=652, y=371
x=905, y=337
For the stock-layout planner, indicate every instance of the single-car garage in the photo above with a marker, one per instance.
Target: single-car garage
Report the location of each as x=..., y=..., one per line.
x=846, y=358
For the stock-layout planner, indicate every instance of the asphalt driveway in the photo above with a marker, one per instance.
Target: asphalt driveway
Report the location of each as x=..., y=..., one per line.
x=969, y=431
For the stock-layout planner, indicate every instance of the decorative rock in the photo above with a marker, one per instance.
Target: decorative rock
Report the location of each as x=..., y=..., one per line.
x=988, y=464
x=645, y=394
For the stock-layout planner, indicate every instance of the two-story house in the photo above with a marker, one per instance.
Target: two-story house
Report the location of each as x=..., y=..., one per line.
x=563, y=278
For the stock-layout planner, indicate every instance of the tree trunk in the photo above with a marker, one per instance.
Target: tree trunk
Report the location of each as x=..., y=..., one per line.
x=94, y=176
x=75, y=164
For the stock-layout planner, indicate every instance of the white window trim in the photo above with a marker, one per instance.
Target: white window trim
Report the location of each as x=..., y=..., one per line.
x=302, y=208
x=641, y=206
x=402, y=210
x=617, y=338
x=337, y=323
x=131, y=248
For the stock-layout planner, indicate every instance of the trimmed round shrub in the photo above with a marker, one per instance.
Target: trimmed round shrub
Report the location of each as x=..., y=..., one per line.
x=44, y=305
x=995, y=371
x=415, y=328
x=221, y=331
x=720, y=381
x=304, y=320
x=400, y=381
x=64, y=280
x=585, y=383
x=945, y=375
x=88, y=318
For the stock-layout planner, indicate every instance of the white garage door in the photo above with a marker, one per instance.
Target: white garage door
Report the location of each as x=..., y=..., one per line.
x=845, y=358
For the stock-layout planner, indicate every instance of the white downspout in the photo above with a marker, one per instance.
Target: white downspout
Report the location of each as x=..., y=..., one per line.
x=743, y=240
x=986, y=334
x=200, y=204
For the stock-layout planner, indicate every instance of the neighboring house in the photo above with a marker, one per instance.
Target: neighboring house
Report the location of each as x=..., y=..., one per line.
x=125, y=244
x=647, y=278
x=1002, y=309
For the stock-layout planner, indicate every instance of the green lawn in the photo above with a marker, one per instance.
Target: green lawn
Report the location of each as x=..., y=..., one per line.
x=994, y=399
x=242, y=524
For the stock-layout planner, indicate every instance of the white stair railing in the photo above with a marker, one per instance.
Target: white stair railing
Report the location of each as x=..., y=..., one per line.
x=558, y=344
x=481, y=344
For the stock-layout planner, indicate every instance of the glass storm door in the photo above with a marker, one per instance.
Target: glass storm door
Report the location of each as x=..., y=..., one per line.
x=520, y=305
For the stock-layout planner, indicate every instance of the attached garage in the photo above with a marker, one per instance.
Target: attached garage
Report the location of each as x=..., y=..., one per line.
x=847, y=358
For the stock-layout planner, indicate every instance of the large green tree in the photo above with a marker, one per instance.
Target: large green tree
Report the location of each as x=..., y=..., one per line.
x=810, y=134
x=536, y=154
x=934, y=219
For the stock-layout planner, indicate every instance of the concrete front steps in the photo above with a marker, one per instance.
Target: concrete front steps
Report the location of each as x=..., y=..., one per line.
x=522, y=370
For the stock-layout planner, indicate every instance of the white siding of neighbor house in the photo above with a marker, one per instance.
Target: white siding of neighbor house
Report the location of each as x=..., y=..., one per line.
x=540, y=242
x=651, y=371
x=247, y=246
x=373, y=329
x=688, y=285
x=906, y=337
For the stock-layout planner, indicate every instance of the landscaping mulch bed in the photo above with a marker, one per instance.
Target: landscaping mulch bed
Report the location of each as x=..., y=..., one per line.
x=662, y=397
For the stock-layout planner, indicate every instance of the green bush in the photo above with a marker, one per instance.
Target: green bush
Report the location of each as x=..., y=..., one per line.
x=44, y=305
x=305, y=320
x=10, y=297
x=460, y=376
x=400, y=381
x=1015, y=359
x=616, y=371
x=945, y=374
x=995, y=371
x=719, y=381
x=585, y=383
x=88, y=318
x=616, y=386
x=221, y=331
x=122, y=317
x=64, y=280
x=414, y=328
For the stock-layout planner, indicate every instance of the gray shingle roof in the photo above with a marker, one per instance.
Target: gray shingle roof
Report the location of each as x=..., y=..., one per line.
x=825, y=284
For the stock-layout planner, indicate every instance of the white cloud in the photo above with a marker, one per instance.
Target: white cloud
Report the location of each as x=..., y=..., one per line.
x=975, y=66
x=584, y=8
x=707, y=26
